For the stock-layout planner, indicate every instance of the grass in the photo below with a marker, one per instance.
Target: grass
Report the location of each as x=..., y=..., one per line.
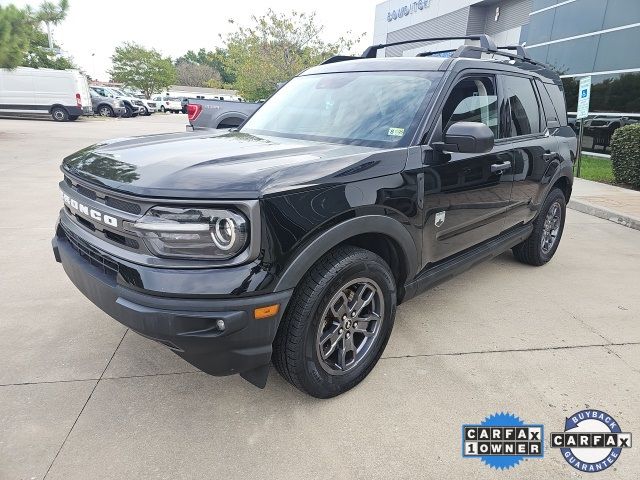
x=596, y=169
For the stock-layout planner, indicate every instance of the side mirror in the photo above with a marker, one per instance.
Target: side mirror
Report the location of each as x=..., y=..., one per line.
x=466, y=137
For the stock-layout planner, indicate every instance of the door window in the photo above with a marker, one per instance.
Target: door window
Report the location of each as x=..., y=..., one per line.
x=524, y=118
x=472, y=100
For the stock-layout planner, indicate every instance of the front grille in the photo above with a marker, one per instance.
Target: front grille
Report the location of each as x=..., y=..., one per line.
x=152, y=104
x=122, y=205
x=116, y=203
x=86, y=192
x=88, y=252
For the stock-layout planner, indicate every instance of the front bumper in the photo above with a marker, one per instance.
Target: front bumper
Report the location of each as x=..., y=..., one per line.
x=188, y=326
x=119, y=111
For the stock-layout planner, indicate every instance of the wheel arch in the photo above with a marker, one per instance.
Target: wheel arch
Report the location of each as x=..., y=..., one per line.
x=565, y=185
x=58, y=105
x=382, y=235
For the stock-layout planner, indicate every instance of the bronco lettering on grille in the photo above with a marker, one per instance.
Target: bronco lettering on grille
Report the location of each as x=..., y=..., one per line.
x=89, y=212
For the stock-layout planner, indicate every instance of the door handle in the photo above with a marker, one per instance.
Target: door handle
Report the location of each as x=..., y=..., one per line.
x=547, y=157
x=500, y=167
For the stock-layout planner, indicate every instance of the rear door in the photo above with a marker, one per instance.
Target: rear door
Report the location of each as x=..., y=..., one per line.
x=534, y=148
x=466, y=195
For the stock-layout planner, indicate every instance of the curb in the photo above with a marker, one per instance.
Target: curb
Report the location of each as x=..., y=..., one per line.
x=605, y=213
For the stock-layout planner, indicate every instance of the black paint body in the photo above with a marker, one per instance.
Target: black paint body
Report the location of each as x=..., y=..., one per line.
x=308, y=198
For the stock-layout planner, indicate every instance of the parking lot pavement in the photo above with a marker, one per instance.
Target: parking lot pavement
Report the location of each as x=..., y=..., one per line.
x=81, y=397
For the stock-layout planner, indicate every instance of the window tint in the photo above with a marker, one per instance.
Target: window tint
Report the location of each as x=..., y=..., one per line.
x=525, y=112
x=472, y=100
x=557, y=97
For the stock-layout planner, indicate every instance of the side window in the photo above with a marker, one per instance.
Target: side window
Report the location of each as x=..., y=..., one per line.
x=557, y=97
x=473, y=99
x=550, y=114
x=525, y=111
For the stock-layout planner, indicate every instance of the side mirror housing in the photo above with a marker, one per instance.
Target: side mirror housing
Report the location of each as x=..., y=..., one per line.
x=466, y=137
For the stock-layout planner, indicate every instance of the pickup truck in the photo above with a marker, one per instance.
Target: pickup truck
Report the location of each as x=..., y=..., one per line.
x=212, y=114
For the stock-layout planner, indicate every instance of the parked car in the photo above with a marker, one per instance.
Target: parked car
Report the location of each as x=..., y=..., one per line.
x=168, y=104
x=133, y=106
x=107, y=106
x=361, y=183
x=147, y=107
x=63, y=94
x=214, y=114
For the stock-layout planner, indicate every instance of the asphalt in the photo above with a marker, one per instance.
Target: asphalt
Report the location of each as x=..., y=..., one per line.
x=81, y=397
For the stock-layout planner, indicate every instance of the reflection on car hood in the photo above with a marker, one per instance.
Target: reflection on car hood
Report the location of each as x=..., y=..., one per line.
x=225, y=164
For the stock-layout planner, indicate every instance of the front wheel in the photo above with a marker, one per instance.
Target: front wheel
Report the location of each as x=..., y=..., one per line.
x=106, y=111
x=337, y=324
x=543, y=242
x=128, y=111
x=162, y=108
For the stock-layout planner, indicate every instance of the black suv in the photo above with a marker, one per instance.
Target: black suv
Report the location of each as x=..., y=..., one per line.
x=292, y=239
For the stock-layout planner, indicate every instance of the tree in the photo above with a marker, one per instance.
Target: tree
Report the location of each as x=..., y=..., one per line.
x=196, y=74
x=51, y=14
x=275, y=48
x=23, y=43
x=15, y=35
x=141, y=68
x=214, y=59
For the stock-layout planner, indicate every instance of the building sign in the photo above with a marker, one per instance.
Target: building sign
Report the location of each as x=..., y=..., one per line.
x=408, y=9
x=584, y=94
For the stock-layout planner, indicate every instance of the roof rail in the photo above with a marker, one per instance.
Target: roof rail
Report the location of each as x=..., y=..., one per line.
x=486, y=42
x=338, y=58
x=520, y=51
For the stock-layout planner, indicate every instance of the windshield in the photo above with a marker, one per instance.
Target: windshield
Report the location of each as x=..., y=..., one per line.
x=378, y=109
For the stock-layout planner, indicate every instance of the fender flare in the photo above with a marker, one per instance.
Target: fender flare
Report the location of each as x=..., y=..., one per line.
x=327, y=240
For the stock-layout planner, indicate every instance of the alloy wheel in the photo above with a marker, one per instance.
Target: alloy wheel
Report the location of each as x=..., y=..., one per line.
x=350, y=325
x=551, y=227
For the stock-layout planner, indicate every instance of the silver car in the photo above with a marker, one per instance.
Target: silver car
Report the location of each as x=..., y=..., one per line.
x=107, y=106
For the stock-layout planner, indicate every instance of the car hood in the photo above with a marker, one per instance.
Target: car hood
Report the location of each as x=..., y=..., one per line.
x=226, y=164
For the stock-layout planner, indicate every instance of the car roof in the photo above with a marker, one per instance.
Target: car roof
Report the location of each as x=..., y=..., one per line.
x=435, y=63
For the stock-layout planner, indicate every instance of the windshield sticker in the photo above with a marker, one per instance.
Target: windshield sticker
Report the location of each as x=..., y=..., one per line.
x=395, y=132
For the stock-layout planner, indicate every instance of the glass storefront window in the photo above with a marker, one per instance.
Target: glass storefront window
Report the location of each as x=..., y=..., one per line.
x=618, y=50
x=540, y=26
x=615, y=102
x=621, y=12
x=577, y=18
x=539, y=4
x=573, y=56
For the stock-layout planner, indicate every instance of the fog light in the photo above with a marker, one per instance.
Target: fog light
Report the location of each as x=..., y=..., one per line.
x=220, y=324
x=265, y=312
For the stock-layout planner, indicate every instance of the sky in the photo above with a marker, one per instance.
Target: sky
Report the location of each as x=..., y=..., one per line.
x=94, y=28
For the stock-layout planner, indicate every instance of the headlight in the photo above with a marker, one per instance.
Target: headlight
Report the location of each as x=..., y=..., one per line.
x=202, y=233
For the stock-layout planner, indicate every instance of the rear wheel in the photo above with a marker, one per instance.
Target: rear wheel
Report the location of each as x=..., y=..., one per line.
x=543, y=242
x=337, y=324
x=145, y=112
x=106, y=111
x=59, y=114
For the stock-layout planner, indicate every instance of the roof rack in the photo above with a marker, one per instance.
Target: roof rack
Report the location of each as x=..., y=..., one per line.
x=487, y=45
x=486, y=42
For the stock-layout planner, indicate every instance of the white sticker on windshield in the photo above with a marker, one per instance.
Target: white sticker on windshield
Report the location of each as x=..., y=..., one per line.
x=395, y=132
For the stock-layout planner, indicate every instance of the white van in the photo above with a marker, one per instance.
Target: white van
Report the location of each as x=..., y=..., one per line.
x=63, y=94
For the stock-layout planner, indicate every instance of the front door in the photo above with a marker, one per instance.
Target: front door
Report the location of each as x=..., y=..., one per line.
x=467, y=195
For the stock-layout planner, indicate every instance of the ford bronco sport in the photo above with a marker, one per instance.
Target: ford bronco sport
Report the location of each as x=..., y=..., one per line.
x=359, y=184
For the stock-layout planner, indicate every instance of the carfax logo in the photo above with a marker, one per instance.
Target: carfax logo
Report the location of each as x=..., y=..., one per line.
x=592, y=440
x=502, y=441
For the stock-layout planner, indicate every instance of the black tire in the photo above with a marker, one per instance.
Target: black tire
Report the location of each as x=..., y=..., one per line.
x=73, y=118
x=106, y=111
x=533, y=251
x=297, y=348
x=145, y=112
x=59, y=114
x=162, y=108
x=128, y=111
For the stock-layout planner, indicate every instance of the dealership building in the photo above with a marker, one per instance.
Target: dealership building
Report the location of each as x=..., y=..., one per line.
x=600, y=38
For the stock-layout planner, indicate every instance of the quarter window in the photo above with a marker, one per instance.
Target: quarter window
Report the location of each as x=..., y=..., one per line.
x=524, y=118
x=472, y=100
